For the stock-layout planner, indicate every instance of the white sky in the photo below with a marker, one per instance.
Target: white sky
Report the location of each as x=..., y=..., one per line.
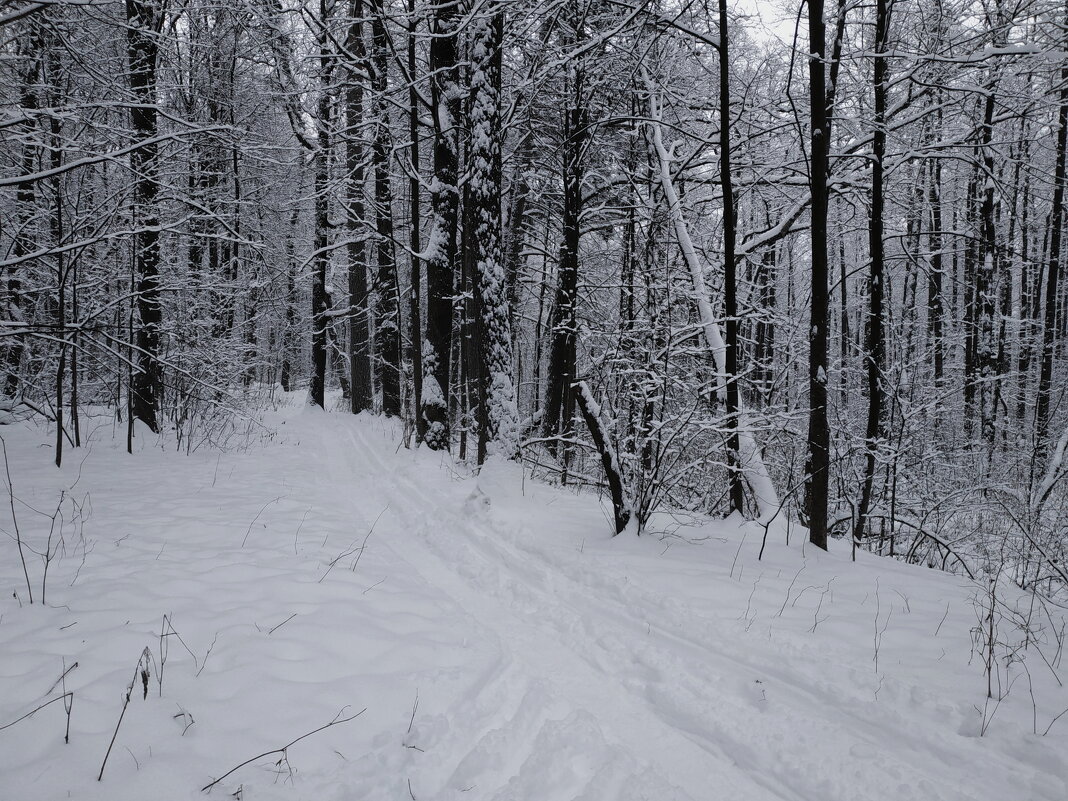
x=775, y=17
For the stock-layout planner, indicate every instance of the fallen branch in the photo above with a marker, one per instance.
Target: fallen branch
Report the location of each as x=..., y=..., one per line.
x=337, y=721
x=66, y=706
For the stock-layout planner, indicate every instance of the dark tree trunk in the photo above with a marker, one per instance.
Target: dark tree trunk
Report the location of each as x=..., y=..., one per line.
x=361, y=396
x=559, y=397
x=730, y=280
x=386, y=294
x=441, y=263
x=986, y=277
x=144, y=20
x=517, y=222
x=876, y=346
x=415, y=326
x=817, y=468
x=591, y=413
x=1053, y=269
x=321, y=160
x=935, y=307
x=25, y=198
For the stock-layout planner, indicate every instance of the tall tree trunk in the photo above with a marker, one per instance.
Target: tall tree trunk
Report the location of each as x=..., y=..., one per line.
x=876, y=346
x=144, y=19
x=441, y=262
x=415, y=326
x=55, y=150
x=559, y=396
x=25, y=239
x=498, y=417
x=935, y=303
x=749, y=456
x=730, y=267
x=360, y=398
x=1053, y=269
x=321, y=166
x=986, y=295
x=819, y=437
x=386, y=294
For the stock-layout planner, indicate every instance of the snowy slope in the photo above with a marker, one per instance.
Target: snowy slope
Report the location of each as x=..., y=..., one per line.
x=499, y=643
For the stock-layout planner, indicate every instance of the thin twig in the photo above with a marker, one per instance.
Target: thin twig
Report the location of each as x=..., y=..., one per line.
x=337, y=721
x=37, y=709
x=15, y=520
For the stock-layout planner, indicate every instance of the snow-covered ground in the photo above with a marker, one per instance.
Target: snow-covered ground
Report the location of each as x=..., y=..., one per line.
x=497, y=643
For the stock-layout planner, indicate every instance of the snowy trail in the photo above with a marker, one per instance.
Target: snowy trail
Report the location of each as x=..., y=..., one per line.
x=549, y=661
x=661, y=685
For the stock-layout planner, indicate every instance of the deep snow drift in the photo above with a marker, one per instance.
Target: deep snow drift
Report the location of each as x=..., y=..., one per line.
x=499, y=644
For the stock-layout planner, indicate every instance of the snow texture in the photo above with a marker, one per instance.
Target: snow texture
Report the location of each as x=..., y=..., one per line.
x=503, y=645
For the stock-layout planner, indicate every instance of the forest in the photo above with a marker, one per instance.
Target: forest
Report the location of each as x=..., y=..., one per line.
x=533, y=400
x=790, y=262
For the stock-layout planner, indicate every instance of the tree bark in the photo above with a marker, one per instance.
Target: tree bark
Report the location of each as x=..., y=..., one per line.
x=386, y=294
x=321, y=161
x=818, y=466
x=876, y=346
x=361, y=397
x=144, y=20
x=1053, y=269
x=441, y=257
x=498, y=417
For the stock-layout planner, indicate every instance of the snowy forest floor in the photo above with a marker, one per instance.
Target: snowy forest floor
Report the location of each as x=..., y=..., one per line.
x=500, y=644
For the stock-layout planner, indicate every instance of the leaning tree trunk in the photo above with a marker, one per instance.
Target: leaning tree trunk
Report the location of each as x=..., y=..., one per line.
x=591, y=413
x=750, y=460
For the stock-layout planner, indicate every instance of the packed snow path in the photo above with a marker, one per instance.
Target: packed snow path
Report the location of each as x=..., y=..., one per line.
x=502, y=645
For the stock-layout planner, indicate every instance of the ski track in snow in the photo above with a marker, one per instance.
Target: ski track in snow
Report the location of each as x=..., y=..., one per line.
x=549, y=661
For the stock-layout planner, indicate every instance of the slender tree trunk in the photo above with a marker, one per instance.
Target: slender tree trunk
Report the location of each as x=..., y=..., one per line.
x=986, y=276
x=321, y=166
x=935, y=303
x=386, y=294
x=517, y=222
x=730, y=267
x=55, y=149
x=591, y=413
x=818, y=467
x=360, y=398
x=1053, y=269
x=749, y=455
x=415, y=325
x=876, y=346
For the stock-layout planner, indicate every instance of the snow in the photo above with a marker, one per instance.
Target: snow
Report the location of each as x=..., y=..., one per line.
x=502, y=644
